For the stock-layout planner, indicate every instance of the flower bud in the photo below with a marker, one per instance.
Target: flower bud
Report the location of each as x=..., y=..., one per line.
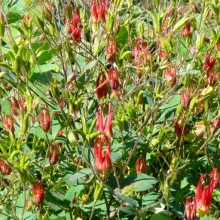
x=45, y=119
x=111, y=50
x=200, y=42
x=101, y=86
x=28, y=205
x=170, y=74
x=8, y=122
x=5, y=167
x=185, y=98
x=38, y=191
x=113, y=77
x=141, y=165
x=53, y=153
x=186, y=30
x=180, y=130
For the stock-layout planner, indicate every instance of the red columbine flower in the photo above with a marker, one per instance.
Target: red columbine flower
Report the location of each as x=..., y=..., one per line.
x=185, y=98
x=214, y=178
x=108, y=124
x=209, y=63
x=98, y=10
x=38, y=191
x=141, y=54
x=164, y=26
x=215, y=125
x=18, y=104
x=170, y=74
x=203, y=196
x=5, y=167
x=53, y=153
x=74, y=26
x=8, y=122
x=190, y=209
x=162, y=53
x=102, y=151
x=179, y=130
x=186, y=30
x=212, y=76
x=45, y=119
x=141, y=165
x=100, y=123
x=113, y=77
x=111, y=50
x=101, y=85
x=218, y=47
x=104, y=124
x=199, y=129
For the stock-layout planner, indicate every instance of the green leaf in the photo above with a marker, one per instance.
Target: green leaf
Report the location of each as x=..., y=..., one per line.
x=150, y=198
x=139, y=182
x=122, y=36
x=143, y=182
x=129, y=200
x=80, y=174
x=160, y=216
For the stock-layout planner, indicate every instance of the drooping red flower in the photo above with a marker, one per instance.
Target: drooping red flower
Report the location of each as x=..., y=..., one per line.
x=101, y=85
x=141, y=54
x=215, y=125
x=170, y=74
x=100, y=123
x=45, y=119
x=8, y=123
x=74, y=25
x=203, y=195
x=98, y=10
x=190, y=209
x=164, y=26
x=103, y=123
x=162, y=53
x=185, y=98
x=113, y=77
x=18, y=104
x=212, y=76
x=186, y=30
x=218, y=47
x=179, y=130
x=5, y=167
x=53, y=153
x=108, y=124
x=111, y=50
x=102, y=152
x=209, y=62
x=214, y=178
x=38, y=191
x=141, y=165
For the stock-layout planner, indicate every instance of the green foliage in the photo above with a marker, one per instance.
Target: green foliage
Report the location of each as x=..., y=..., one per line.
x=50, y=108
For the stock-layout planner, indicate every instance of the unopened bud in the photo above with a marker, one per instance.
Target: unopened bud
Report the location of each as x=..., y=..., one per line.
x=45, y=119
